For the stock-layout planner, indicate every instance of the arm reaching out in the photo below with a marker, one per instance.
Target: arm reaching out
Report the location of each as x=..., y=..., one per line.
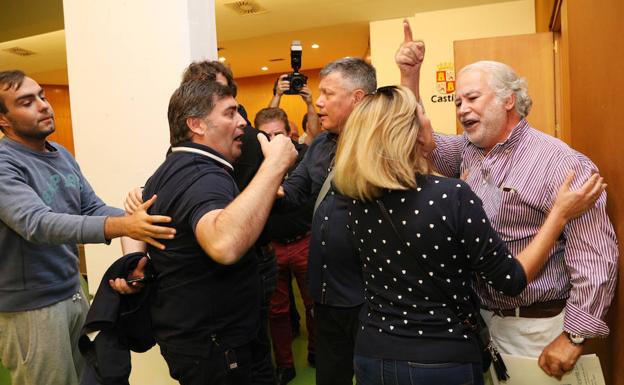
x=140, y=226
x=568, y=205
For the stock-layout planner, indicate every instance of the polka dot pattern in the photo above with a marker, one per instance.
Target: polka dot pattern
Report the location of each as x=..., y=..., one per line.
x=441, y=225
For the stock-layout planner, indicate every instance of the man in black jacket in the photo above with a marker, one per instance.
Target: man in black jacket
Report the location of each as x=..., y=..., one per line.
x=290, y=236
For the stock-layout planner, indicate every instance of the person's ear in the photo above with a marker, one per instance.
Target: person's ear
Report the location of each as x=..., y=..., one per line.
x=358, y=95
x=196, y=125
x=4, y=122
x=510, y=102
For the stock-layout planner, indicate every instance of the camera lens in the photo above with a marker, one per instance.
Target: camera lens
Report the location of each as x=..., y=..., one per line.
x=297, y=83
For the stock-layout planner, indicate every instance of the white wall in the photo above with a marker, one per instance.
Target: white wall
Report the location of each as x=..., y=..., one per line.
x=125, y=58
x=438, y=30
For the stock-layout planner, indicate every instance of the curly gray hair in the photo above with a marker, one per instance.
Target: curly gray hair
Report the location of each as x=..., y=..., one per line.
x=504, y=81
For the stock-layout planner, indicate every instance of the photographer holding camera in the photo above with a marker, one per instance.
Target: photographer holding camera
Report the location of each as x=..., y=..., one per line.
x=294, y=83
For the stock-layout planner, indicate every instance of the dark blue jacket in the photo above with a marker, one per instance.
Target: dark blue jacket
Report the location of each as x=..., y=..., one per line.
x=334, y=270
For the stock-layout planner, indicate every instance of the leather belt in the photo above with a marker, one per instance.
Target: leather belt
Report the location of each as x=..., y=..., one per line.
x=537, y=310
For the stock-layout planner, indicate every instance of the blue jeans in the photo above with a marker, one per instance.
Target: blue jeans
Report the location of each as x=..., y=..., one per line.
x=376, y=371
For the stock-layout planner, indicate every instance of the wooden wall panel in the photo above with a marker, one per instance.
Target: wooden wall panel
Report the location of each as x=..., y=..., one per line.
x=256, y=92
x=543, y=12
x=562, y=72
x=59, y=99
x=596, y=53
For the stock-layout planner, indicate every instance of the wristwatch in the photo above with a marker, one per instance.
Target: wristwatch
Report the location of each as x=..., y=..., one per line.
x=576, y=339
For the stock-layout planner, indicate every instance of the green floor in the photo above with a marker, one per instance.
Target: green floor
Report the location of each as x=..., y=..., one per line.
x=305, y=373
x=4, y=377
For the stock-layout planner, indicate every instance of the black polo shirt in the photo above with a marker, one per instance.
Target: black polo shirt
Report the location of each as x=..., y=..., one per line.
x=197, y=298
x=334, y=268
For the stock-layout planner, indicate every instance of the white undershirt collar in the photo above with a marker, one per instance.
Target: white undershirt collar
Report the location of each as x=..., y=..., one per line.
x=205, y=153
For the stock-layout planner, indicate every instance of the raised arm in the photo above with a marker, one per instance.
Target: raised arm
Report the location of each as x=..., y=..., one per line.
x=281, y=86
x=226, y=234
x=313, y=126
x=409, y=58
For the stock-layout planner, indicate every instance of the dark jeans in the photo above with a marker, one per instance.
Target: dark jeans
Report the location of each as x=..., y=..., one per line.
x=262, y=370
x=210, y=368
x=336, y=329
x=376, y=371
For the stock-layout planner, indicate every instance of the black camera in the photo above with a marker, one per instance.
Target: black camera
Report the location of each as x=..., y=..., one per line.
x=297, y=80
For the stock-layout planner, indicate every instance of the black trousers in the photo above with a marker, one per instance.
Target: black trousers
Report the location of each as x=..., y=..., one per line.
x=213, y=367
x=254, y=364
x=336, y=329
x=262, y=369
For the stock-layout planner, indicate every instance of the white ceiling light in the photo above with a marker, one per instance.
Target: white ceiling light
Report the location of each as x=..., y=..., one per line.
x=264, y=68
x=222, y=59
x=315, y=46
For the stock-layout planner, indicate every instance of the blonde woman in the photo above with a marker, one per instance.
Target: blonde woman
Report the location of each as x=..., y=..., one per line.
x=420, y=238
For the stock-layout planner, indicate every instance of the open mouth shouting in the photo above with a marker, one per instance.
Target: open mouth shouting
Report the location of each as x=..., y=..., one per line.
x=468, y=123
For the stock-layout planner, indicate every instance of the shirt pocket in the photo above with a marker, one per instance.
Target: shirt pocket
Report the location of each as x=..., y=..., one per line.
x=516, y=218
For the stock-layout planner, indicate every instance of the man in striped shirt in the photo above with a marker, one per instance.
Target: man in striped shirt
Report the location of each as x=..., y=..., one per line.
x=516, y=170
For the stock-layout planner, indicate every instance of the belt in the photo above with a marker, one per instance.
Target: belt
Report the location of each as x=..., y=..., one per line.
x=537, y=310
x=285, y=241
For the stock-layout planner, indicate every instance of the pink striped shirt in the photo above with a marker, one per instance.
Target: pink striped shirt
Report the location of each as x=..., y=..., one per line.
x=518, y=182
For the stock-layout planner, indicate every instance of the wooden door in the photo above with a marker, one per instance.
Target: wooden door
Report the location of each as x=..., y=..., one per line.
x=532, y=57
x=58, y=96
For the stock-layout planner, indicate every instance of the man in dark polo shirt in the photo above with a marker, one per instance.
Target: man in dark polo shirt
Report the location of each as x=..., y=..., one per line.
x=245, y=167
x=206, y=306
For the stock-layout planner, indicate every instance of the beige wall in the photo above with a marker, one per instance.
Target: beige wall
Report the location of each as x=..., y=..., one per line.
x=124, y=59
x=439, y=29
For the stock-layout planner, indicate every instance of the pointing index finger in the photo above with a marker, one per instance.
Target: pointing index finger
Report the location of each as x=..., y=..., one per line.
x=407, y=31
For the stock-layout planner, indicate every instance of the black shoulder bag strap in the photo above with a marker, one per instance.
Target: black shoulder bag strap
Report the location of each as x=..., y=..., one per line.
x=478, y=326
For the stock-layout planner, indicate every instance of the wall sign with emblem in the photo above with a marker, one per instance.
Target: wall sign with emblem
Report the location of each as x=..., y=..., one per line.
x=445, y=83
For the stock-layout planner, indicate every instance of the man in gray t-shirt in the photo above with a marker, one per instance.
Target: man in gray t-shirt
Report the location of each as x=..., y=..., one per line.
x=46, y=208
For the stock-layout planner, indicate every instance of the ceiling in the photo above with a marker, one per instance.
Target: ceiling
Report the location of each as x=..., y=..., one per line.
x=248, y=42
